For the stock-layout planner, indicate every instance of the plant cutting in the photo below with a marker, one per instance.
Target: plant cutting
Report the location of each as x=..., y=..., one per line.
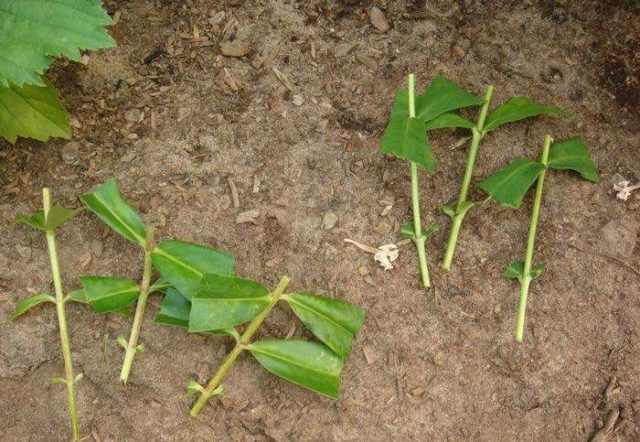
x=48, y=220
x=508, y=187
x=182, y=265
x=406, y=137
x=223, y=302
x=33, y=33
x=515, y=109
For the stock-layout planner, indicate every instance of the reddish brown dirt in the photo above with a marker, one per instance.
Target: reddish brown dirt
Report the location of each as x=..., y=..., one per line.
x=419, y=370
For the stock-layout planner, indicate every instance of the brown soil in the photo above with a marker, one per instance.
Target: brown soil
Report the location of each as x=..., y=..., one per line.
x=306, y=144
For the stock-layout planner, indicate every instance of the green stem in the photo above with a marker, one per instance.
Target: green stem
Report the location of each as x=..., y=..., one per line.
x=241, y=344
x=415, y=194
x=132, y=346
x=62, y=320
x=528, y=260
x=477, y=135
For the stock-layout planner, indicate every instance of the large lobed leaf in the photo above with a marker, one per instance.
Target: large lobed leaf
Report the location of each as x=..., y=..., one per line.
x=333, y=322
x=26, y=304
x=31, y=111
x=107, y=294
x=35, y=30
x=308, y=364
x=516, y=109
x=509, y=185
x=573, y=155
x=107, y=202
x=224, y=301
x=443, y=95
x=183, y=264
x=405, y=137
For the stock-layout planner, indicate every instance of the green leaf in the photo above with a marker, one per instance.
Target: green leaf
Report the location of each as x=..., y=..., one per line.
x=57, y=216
x=573, y=154
x=183, y=264
x=26, y=304
x=430, y=230
x=107, y=202
x=76, y=296
x=308, y=364
x=107, y=294
x=36, y=220
x=452, y=212
x=34, y=31
x=516, y=109
x=443, y=95
x=516, y=270
x=174, y=310
x=407, y=139
x=408, y=231
x=333, y=322
x=448, y=120
x=224, y=301
x=31, y=111
x=161, y=285
x=509, y=185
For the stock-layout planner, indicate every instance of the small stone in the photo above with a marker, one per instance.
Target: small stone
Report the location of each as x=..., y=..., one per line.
x=96, y=247
x=70, y=152
x=298, y=100
x=382, y=228
x=24, y=252
x=367, y=61
x=417, y=392
x=250, y=216
x=329, y=220
x=363, y=270
x=619, y=238
x=234, y=49
x=378, y=20
x=133, y=115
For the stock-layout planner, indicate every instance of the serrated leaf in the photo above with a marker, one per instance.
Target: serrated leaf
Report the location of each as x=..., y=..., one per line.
x=183, y=264
x=174, y=310
x=31, y=111
x=333, y=322
x=107, y=202
x=509, y=185
x=516, y=109
x=516, y=270
x=573, y=155
x=34, y=31
x=26, y=304
x=308, y=364
x=442, y=96
x=406, y=138
x=107, y=294
x=449, y=120
x=224, y=301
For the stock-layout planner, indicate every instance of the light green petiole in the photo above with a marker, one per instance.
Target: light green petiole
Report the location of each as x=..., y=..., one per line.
x=420, y=238
x=69, y=378
x=462, y=205
x=528, y=261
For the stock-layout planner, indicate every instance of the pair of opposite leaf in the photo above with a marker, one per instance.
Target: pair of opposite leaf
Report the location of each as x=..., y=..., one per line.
x=29, y=103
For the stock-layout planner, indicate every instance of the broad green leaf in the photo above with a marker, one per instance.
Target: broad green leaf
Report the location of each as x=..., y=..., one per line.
x=407, y=139
x=224, y=301
x=31, y=111
x=106, y=294
x=174, y=310
x=161, y=285
x=34, y=31
x=516, y=109
x=573, y=154
x=76, y=296
x=107, y=202
x=308, y=364
x=509, y=185
x=183, y=264
x=407, y=230
x=26, y=304
x=333, y=322
x=516, y=270
x=447, y=120
x=57, y=216
x=442, y=96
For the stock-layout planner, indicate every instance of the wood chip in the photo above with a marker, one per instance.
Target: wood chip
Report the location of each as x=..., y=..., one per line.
x=378, y=20
x=250, y=216
x=283, y=79
x=234, y=192
x=233, y=49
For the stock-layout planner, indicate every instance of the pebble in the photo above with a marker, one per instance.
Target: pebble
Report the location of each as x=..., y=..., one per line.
x=298, y=100
x=378, y=20
x=24, y=252
x=70, y=152
x=329, y=220
x=234, y=49
x=363, y=270
x=382, y=228
x=619, y=238
x=133, y=115
x=96, y=247
x=248, y=217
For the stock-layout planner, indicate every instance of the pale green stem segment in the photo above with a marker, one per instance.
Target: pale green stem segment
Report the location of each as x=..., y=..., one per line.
x=62, y=320
x=132, y=346
x=528, y=260
x=420, y=239
x=456, y=222
x=241, y=345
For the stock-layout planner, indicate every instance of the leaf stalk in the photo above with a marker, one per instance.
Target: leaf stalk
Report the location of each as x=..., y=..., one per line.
x=528, y=261
x=456, y=221
x=62, y=320
x=241, y=345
